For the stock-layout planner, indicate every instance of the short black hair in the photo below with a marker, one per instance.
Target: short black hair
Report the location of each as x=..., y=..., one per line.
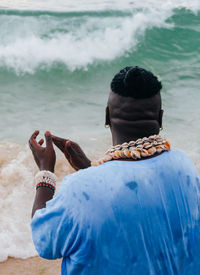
x=135, y=82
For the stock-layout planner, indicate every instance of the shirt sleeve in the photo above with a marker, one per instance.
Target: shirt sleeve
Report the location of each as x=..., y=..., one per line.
x=54, y=228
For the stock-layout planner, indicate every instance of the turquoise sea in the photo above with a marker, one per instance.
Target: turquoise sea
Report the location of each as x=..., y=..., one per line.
x=57, y=59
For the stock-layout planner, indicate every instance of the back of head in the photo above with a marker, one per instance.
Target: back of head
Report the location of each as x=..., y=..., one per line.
x=135, y=82
x=134, y=105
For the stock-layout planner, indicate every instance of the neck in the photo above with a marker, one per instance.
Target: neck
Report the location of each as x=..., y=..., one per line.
x=121, y=139
x=121, y=135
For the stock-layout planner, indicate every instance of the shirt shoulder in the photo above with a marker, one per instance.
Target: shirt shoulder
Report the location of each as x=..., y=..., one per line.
x=174, y=160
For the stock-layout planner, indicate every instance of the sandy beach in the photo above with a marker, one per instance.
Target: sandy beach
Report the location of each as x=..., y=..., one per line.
x=30, y=266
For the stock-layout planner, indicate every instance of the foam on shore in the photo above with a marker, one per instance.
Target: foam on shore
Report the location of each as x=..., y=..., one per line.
x=17, y=170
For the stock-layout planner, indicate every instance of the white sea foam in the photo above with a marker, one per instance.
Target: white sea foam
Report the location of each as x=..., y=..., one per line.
x=17, y=171
x=94, y=5
x=28, y=43
x=42, y=42
x=16, y=192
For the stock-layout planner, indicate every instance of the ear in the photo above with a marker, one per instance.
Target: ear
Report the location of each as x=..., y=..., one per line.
x=107, y=118
x=160, y=117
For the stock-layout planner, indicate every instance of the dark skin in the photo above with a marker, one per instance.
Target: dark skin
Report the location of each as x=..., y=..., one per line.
x=128, y=119
x=45, y=159
x=73, y=153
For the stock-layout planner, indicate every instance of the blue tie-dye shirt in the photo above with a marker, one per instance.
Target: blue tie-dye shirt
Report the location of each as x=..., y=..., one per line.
x=125, y=217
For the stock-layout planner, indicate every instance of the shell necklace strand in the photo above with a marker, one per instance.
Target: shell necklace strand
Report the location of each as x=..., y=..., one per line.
x=141, y=148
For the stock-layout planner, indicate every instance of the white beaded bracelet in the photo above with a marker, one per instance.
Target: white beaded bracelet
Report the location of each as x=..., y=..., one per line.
x=46, y=177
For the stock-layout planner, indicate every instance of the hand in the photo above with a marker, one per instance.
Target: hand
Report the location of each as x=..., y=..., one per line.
x=45, y=157
x=73, y=153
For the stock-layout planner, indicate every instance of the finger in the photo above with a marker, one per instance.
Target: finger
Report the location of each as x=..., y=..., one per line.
x=69, y=153
x=48, y=138
x=35, y=134
x=41, y=141
x=59, y=142
x=68, y=149
x=30, y=145
x=74, y=150
x=35, y=146
x=68, y=146
x=76, y=156
x=32, y=141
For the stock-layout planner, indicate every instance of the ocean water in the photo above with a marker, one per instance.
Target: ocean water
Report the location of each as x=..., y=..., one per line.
x=57, y=59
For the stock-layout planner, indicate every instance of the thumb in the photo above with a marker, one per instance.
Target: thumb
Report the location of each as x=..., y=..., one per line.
x=59, y=142
x=71, y=154
x=68, y=148
x=48, y=139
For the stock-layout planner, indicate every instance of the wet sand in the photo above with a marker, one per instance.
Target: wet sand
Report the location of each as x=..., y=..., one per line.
x=30, y=266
